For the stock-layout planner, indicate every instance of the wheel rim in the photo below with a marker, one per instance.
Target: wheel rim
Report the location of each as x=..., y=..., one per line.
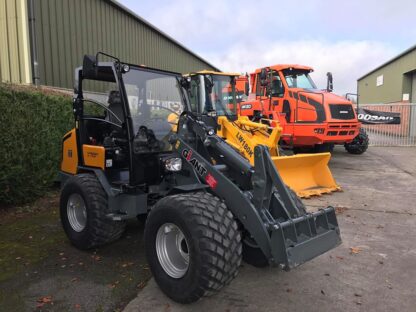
x=172, y=250
x=77, y=212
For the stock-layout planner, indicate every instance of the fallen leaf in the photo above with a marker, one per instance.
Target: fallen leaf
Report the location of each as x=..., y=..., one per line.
x=340, y=210
x=75, y=279
x=141, y=285
x=77, y=306
x=339, y=257
x=355, y=250
x=289, y=290
x=46, y=299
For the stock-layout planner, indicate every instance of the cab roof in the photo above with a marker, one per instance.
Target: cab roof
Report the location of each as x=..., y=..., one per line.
x=212, y=72
x=279, y=67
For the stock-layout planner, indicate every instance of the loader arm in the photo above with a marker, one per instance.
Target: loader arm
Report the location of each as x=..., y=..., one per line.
x=286, y=236
x=244, y=135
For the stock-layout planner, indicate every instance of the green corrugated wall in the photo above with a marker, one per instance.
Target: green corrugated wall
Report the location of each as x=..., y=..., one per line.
x=397, y=80
x=68, y=29
x=15, y=64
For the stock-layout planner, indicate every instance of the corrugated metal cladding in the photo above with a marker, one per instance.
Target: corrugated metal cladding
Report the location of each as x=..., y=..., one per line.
x=14, y=42
x=68, y=29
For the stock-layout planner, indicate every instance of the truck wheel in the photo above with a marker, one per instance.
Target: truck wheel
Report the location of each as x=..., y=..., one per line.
x=83, y=209
x=359, y=144
x=252, y=254
x=193, y=245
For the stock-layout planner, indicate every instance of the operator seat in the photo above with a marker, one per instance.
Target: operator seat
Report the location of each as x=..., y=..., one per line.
x=114, y=104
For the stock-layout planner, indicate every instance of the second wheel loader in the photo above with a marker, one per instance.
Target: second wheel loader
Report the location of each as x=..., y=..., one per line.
x=207, y=207
x=214, y=93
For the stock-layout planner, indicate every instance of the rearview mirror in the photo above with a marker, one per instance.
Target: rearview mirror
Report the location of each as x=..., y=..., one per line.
x=329, y=82
x=89, y=67
x=246, y=88
x=263, y=76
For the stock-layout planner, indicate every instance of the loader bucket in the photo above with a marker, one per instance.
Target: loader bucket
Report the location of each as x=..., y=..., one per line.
x=307, y=174
x=299, y=240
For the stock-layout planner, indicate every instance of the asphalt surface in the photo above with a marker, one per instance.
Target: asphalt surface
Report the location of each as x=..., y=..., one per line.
x=373, y=270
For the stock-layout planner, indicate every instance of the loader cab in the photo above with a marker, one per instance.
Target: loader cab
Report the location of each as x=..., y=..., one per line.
x=212, y=94
x=126, y=131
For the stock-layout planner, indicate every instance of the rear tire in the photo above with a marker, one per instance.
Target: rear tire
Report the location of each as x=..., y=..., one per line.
x=252, y=254
x=359, y=144
x=207, y=240
x=83, y=209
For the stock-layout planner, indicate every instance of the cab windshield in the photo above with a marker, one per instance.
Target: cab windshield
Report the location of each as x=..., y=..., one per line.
x=154, y=98
x=299, y=79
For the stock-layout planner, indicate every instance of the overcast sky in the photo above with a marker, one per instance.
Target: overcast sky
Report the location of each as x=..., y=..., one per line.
x=346, y=37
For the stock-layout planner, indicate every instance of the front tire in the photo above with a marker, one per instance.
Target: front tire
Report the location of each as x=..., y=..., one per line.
x=359, y=144
x=192, y=245
x=83, y=209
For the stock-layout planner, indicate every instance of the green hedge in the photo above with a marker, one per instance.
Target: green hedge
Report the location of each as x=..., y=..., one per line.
x=32, y=123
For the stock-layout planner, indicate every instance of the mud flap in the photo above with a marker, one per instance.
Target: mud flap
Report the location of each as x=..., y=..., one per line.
x=301, y=239
x=307, y=174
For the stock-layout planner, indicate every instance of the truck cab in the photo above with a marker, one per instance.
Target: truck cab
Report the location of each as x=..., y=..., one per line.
x=310, y=117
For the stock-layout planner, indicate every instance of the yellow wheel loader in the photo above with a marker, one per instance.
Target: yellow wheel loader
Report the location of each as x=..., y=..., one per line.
x=214, y=93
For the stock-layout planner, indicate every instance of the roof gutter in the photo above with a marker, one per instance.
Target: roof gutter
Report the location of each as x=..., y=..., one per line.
x=33, y=46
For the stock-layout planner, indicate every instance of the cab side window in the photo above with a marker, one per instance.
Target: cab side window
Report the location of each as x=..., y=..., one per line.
x=276, y=85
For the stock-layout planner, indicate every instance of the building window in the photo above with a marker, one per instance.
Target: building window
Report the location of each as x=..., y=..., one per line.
x=380, y=80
